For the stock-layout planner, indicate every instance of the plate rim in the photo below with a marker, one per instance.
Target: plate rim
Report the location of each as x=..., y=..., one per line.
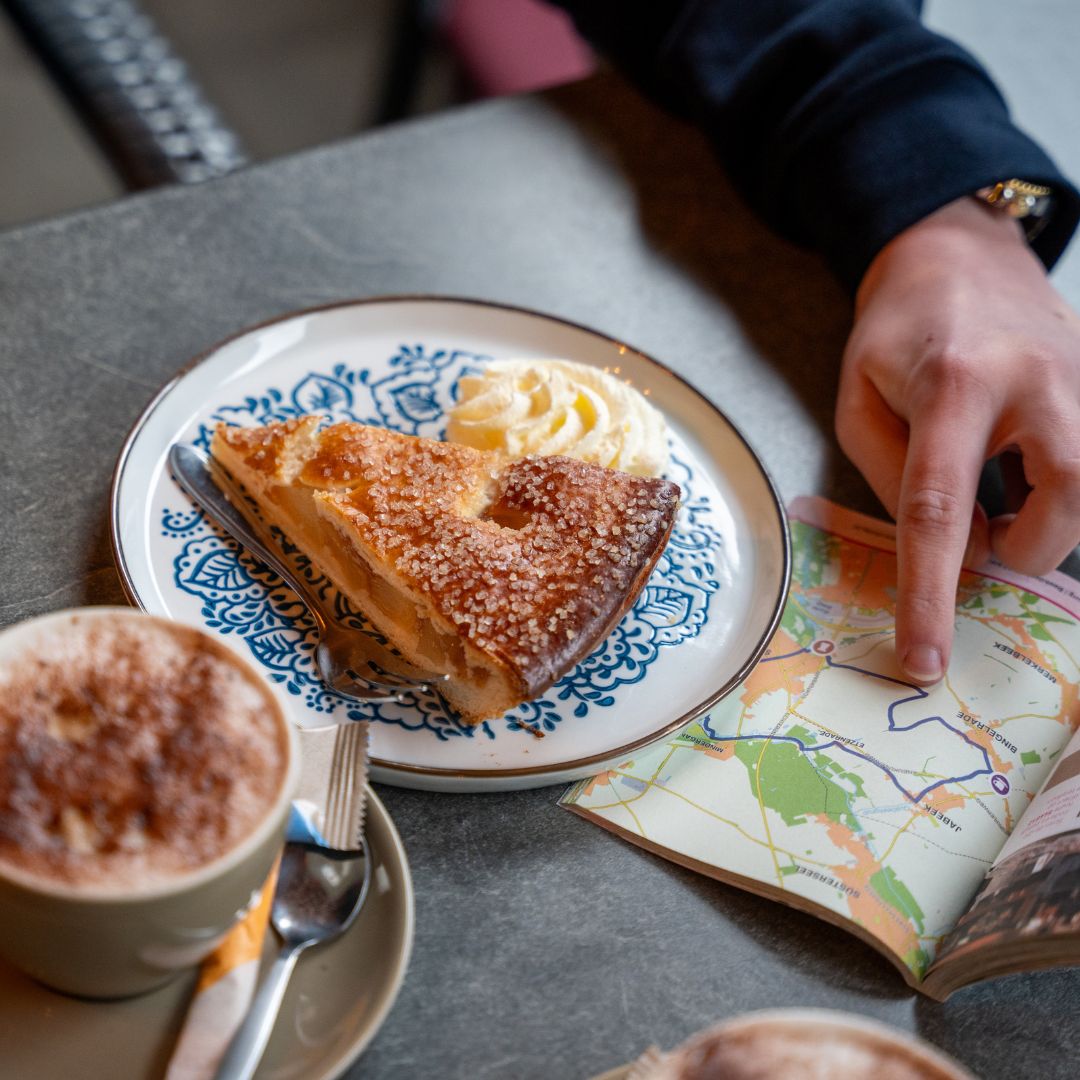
x=555, y=769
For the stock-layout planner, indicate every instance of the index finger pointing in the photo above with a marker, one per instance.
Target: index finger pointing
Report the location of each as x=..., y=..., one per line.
x=937, y=495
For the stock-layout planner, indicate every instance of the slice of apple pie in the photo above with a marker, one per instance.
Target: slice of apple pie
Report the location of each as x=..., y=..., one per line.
x=503, y=574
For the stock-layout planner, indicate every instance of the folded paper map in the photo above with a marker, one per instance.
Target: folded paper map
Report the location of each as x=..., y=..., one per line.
x=829, y=782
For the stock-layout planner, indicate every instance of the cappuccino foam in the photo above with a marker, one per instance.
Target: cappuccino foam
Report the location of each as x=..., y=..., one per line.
x=132, y=751
x=798, y=1050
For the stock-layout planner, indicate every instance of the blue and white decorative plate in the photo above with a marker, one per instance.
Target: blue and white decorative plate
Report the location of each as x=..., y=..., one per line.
x=702, y=621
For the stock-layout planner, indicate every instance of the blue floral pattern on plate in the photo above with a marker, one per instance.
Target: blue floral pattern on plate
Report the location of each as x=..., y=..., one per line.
x=239, y=596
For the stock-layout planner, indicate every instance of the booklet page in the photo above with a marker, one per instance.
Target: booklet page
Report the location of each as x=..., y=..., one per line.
x=827, y=778
x=1032, y=892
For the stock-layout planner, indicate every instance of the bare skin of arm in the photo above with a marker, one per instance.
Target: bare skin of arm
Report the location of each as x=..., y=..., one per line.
x=961, y=349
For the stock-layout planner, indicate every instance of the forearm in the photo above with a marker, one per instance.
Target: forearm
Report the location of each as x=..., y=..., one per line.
x=842, y=122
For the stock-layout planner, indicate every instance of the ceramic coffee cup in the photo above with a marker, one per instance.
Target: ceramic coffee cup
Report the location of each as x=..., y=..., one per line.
x=146, y=772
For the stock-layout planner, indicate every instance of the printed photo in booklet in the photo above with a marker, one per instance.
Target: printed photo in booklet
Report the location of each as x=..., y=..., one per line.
x=940, y=825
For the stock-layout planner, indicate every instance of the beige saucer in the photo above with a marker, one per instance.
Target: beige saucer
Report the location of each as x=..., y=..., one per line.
x=337, y=999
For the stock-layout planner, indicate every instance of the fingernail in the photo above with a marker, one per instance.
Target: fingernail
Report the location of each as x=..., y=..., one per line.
x=923, y=663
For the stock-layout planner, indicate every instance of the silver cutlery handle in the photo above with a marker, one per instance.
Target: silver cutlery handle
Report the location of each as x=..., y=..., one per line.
x=192, y=472
x=246, y=1050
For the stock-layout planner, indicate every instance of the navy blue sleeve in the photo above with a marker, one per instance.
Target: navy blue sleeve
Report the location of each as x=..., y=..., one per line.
x=841, y=122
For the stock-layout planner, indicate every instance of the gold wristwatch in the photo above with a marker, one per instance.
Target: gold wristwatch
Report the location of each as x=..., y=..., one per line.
x=1028, y=203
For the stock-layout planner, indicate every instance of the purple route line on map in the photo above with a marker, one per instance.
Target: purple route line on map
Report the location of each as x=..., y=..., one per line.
x=786, y=656
x=918, y=695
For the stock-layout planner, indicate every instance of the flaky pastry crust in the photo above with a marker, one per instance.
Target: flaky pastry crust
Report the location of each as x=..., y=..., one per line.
x=503, y=573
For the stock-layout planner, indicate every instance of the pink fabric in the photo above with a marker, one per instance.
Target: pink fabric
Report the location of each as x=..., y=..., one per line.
x=511, y=46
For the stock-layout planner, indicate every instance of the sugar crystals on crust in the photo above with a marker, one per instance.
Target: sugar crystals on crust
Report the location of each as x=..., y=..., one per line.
x=503, y=574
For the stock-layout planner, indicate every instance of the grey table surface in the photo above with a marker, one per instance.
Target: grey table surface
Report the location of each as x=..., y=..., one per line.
x=545, y=947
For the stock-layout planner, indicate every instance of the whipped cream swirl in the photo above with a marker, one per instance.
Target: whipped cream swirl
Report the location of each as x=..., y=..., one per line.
x=522, y=407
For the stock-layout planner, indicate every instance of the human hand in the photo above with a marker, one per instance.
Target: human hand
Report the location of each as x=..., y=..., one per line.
x=961, y=349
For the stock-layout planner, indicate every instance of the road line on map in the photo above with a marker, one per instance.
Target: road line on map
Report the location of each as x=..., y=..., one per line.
x=854, y=753
x=876, y=645
x=764, y=819
x=975, y=795
x=899, y=832
x=637, y=821
x=709, y=813
x=963, y=705
x=1056, y=718
x=1002, y=663
x=919, y=695
x=742, y=717
x=991, y=627
x=839, y=741
x=625, y=804
x=656, y=772
x=870, y=815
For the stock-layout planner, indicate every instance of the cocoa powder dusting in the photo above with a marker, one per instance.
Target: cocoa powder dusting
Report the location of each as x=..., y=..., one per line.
x=130, y=753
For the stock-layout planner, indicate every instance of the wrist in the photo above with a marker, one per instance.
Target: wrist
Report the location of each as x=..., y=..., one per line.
x=944, y=242
x=967, y=224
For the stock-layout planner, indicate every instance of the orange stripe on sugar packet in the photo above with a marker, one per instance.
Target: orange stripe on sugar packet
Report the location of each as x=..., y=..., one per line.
x=223, y=993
